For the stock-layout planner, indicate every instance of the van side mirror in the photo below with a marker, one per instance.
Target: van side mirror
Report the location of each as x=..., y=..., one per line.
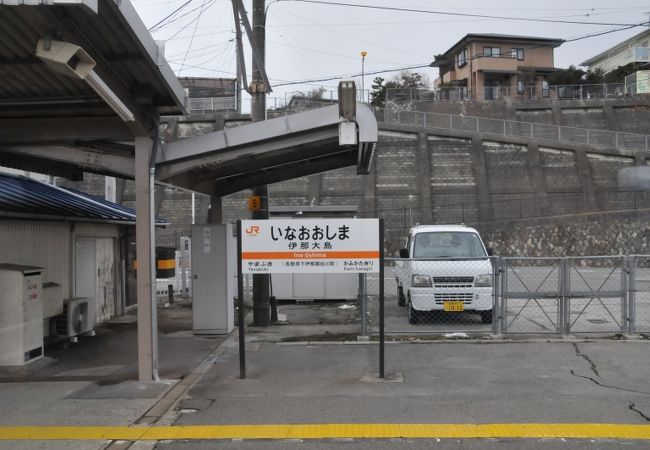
x=490, y=252
x=403, y=253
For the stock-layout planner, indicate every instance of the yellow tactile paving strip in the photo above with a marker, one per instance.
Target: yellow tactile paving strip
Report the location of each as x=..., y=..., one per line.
x=332, y=431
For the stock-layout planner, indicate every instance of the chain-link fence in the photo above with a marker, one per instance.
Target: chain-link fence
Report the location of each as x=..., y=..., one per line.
x=605, y=295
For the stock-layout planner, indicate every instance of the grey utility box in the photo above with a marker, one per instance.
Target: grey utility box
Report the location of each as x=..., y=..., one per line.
x=214, y=278
x=21, y=314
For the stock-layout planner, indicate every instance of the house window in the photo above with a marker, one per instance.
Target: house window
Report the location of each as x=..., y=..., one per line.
x=461, y=58
x=520, y=87
x=494, y=52
x=545, y=89
x=517, y=53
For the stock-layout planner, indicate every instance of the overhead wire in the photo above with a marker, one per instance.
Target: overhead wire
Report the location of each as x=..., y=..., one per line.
x=338, y=55
x=308, y=57
x=338, y=77
x=198, y=19
x=168, y=16
x=175, y=19
x=355, y=37
x=607, y=32
x=170, y=19
x=459, y=14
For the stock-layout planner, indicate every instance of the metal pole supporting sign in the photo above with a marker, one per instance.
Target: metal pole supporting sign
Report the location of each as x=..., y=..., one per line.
x=240, y=307
x=381, y=298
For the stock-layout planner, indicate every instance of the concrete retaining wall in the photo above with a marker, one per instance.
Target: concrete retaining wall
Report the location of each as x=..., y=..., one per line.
x=627, y=114
x=424, y=176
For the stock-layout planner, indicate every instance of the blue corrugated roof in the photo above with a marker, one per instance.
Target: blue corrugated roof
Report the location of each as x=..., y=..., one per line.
x=24, y=197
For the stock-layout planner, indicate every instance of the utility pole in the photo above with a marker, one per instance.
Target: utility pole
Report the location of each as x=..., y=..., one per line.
x=261, y=303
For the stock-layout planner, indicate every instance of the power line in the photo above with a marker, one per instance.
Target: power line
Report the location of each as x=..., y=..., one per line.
x=606, y=32
x=459, y=14
x=198, y=19
x=168, y=16
x=159, y=26
x=340, y=77
x=308, y=57
x=338, y=55
x=356, y=37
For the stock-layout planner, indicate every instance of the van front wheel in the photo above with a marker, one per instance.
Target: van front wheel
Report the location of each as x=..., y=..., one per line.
x=414, y=316
x=401, y=301
x=486, y=316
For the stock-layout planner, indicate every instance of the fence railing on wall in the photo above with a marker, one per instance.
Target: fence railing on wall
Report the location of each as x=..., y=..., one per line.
x=510, y=93
x=512, y=128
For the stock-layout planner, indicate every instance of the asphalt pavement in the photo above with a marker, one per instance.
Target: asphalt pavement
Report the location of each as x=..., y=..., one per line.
x=482, y=381
x=310, y=385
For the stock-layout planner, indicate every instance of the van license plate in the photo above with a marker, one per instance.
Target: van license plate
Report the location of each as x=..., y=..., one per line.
x=453, y=306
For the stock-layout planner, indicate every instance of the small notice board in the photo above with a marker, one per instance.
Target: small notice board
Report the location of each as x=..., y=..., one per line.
x=310, y=246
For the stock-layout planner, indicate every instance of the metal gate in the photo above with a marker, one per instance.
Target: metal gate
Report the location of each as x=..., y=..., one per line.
x=595, y=291
x=547, y=295
x=639, y=294
x=531, y=295
x=564, y=295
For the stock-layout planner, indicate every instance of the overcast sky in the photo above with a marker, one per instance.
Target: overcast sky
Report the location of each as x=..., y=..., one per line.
x=309, y=41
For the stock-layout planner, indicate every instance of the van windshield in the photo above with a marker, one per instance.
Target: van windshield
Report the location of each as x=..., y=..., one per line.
x=448, y=244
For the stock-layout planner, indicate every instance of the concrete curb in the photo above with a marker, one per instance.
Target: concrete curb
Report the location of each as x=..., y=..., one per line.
x=163, y=409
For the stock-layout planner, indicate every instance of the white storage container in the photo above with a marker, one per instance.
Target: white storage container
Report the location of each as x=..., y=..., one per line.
x=21, y=314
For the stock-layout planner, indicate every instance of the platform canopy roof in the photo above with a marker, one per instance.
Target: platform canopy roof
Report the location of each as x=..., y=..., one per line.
x=79, y=79
x=34, y=95
x=266, y=152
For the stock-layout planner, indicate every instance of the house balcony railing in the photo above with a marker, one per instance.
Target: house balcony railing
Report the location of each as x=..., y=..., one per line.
x=504, y=63
x=630, y=55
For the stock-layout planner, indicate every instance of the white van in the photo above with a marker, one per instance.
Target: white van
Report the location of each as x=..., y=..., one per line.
x=444, y=268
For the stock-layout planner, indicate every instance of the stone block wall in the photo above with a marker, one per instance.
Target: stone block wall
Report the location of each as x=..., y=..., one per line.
x=340, y=187
x=604, y=170
x=633, y=118
x=453, y=180
x=560, y=170
x=593, y=118
x=396, y=172
x=507, y=168
x=542, y=115
x=587, y=235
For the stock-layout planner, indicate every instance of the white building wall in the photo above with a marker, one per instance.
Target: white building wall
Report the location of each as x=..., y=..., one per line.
x=50, y=245
x=43, y=244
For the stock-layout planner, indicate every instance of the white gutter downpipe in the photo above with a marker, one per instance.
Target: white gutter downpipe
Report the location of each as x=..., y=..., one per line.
x=155, y=359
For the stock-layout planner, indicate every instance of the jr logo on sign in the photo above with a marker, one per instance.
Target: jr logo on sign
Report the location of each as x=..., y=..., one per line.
x=253, y=230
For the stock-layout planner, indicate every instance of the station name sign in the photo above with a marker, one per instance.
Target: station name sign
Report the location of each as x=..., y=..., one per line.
x=310, y=246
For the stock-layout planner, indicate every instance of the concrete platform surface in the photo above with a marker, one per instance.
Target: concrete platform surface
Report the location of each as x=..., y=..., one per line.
x=469, y=394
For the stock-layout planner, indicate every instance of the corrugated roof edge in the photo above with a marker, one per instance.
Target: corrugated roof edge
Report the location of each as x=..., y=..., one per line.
x=119, y=213
x=116, y=206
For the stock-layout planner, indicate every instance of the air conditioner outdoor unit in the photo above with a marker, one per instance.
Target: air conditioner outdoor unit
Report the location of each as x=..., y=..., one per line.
x=78, y=317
